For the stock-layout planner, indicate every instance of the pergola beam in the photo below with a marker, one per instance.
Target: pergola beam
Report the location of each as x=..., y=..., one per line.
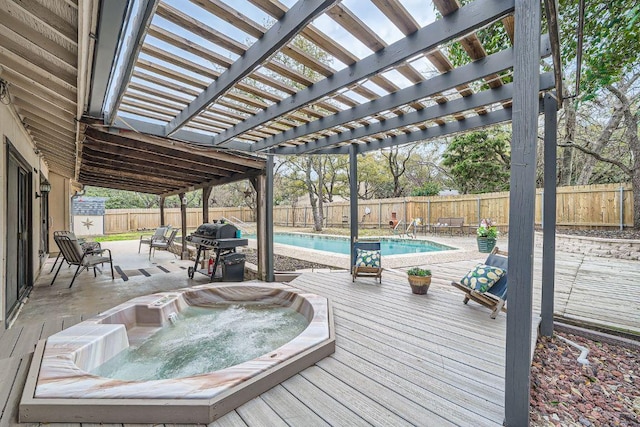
x=460, y=105
x=182, y=134
x=281, y=33
x=459, y=23
x=141, y=22
x=458, y=126
x=218, y=181
x=112, y=19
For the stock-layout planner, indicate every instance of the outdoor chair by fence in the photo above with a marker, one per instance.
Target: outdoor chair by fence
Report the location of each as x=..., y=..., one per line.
x=158, y=234
x=74, y=254
x=162, y=244
x=486, y=284
x=367, y=260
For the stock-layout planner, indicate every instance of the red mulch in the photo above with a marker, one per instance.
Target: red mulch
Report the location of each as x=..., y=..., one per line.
x=566, y=393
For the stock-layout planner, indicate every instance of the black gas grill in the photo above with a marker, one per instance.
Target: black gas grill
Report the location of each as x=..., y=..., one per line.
x=217, y=236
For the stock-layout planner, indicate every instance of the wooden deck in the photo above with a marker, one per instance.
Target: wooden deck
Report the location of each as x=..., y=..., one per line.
x=401, y=359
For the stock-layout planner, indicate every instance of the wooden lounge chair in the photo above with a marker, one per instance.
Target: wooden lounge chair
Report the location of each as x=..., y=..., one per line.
x=74, y=254
x=158, y=234
x=496, y=297
x=357, y=269
x=163, y=244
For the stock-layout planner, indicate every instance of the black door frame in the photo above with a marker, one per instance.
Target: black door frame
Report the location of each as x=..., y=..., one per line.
x=27, y=206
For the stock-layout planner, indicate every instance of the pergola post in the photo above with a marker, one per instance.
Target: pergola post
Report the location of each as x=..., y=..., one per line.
x=353, y=195
x=549, y=214
x=260, y=184
x=206, y=193
x=522, y=211
x=263, y=185
x=162, y=221
x=183, y=221
x=268, y=223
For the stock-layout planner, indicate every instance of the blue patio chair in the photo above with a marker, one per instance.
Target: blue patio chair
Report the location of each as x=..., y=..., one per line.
x=496, y=296
x=366, y=260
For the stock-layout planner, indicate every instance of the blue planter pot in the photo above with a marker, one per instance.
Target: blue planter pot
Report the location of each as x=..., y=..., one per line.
x=486, y=244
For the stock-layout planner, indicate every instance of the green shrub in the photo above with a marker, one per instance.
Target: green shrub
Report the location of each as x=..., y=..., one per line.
x=417, y=271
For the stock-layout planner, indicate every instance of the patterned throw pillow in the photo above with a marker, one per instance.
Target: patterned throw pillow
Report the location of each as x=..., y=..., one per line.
x=366, y=258
x=483, y=277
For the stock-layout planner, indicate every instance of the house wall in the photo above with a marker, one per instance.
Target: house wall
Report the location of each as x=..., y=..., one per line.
x=59, y=208
x=11, y=128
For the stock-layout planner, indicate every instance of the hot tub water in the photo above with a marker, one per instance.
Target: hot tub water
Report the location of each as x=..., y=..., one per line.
x=204, y=339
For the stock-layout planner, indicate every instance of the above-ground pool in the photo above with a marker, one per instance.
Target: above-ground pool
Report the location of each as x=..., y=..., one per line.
x=190, y=355
x=335, y=244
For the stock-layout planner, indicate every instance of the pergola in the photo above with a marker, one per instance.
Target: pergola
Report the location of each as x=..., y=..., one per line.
x=211, y=79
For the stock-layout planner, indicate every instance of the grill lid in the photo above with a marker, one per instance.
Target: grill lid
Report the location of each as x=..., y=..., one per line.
x=216, y=231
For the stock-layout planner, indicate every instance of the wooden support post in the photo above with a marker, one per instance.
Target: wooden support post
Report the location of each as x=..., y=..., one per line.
x=268, y=217
x=206, y=193
x=162, y=219
x=260, y=185
x=522, y=211
x=353, y=195
x=549, y=214
x=183, y=221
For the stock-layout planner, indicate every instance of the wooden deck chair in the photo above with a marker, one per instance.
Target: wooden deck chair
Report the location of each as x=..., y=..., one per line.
x=163, y=244
x=74, y=254
x=158, y=234
x=496, y=296
x=366, y=260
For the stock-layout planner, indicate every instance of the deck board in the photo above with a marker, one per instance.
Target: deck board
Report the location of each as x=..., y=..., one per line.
x=17, y=369
x=290, y=409
x=257, y=413
x=231, y=419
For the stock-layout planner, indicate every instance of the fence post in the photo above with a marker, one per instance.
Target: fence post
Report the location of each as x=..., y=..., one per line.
x=379, y=215
x=542, y=209
x=429, y=214
x=621, y=207
x=479, y=216
x=305, y=217
x=404, y=206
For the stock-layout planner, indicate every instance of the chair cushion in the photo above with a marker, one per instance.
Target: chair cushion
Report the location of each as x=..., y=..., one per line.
x=367, y=258
x=482, y=277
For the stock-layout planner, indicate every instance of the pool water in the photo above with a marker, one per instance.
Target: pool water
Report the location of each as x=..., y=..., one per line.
x=206, y=340
x=341, y=245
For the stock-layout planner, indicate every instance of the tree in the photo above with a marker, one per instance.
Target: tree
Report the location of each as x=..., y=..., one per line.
x=610, y=52
x=479, y=162
x=397, y=160
x=372, y=176
x=622, y=127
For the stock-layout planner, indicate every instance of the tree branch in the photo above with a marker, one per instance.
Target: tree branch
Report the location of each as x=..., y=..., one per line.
x=621, y=165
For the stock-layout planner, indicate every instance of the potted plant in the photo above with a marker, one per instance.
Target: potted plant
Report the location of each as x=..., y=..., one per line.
x=487, y=234
x=419, y=279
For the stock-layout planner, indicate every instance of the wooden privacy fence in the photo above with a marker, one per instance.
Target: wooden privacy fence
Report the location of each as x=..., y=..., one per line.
x=124, y=220
x=605, y=205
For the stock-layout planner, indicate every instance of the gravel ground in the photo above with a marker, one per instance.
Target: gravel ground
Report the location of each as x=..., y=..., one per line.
x=566, y=393
x=284, y=263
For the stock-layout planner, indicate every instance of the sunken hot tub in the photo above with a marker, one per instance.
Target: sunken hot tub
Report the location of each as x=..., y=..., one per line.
x=187, y=356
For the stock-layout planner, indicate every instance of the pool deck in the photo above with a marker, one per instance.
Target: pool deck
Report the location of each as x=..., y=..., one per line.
x=401, y=359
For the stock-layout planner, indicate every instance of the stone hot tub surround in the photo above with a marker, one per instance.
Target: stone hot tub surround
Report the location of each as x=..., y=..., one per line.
x=60, y=388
